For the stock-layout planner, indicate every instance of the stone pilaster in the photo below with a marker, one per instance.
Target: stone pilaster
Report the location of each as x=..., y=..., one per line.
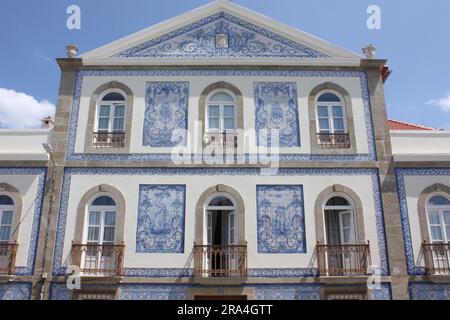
x=53, y=186
x=394, y=235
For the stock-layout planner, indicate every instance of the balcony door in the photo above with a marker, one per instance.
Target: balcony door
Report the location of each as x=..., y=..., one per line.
x=220, y=235
x=340, y=232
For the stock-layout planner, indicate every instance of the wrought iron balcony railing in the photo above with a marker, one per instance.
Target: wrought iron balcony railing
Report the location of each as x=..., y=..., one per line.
x=8, y=252
x=98, y=260
x=221, y=140
x=436, y=258
x=111, y=140
x=220, y=260
x=343, y=260
x=333, y=140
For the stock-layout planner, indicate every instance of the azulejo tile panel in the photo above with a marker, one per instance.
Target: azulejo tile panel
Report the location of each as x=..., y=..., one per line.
x=429, y=291
x=37, y=211
x=241, y=39
x=166, y=111
x=281, y=220
x=401, y=173
x=160, y=222
x=277, y=109
x=153, y=292
x=71, y=155
x=15, y=291
x=288, y=292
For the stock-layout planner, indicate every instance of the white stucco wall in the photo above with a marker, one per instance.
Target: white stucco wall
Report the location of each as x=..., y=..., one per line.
x=421, y=145
x=246, y=186
x=24, y=144
x=245, y=84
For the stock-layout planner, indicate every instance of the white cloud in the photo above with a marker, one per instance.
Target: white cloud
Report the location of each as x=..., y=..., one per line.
x=443, y=103
x=19, y=110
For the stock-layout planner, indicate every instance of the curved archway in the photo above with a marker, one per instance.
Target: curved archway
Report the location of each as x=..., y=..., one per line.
x=85, y=202
x=202, y=203
x=14, y=194
x=97, y=95
x=351, y=196
x=347, y=103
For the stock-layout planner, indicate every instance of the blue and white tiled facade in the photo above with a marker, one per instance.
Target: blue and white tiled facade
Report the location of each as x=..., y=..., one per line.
x=160, y=224
x=15, y=291
x=281, y=219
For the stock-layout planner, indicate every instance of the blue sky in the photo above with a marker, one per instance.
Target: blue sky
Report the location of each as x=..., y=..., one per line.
x=414, y=38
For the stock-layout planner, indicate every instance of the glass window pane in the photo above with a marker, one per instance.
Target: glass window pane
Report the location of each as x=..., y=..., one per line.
x=5, y=233
x=337, y=112
x=338, y=124
x=103, y=124
x=328, y=97
x=110, y=218
x=104, y=201
x=213, y=111
x=433, y=217
x=436, y=234
x=93, y=234
x=324, y=124
x=346, y=233
x=346, y=220
x=221, y=96
x=94, y=218
x=439, y=201
x=322, y=112
x=118, y=124
x=7, y=217
x=337, y=201
x=447, y=229
x=113, y=96
x=6, y=201
x=228, y=123
x=213, y=123
x=119, y=111
x=228, y=111
x=109, y=234
x=221, y=202
x=104, y=111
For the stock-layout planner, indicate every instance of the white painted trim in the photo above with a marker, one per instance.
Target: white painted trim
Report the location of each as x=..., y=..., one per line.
x=419, y=133
x=210, y=9
x=415, y=157
x=24, y=156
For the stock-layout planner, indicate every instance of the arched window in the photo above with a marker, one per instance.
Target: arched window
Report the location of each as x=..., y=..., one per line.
x=6, y=218
x=339, y=221
x=438, y=213
x=220, y=221
x=111, y=112
x=330, y=113
x=221, y=112
x=101, y=221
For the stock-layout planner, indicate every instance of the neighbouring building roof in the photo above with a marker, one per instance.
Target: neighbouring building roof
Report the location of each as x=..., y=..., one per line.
x=400, y=125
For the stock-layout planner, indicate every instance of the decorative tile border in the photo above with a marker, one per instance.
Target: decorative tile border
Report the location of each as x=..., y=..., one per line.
x=404, y=215
x=59, y=269
x=429, y=291
x=280, y=219
x=15, y=291
x=198, y=40
x=34, y=234
x=71, y=155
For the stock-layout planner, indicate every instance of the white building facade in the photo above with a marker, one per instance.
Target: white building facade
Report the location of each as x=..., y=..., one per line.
x=223, y=154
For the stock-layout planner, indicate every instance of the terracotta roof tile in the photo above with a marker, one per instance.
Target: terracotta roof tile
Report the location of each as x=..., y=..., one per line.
x=400, y=125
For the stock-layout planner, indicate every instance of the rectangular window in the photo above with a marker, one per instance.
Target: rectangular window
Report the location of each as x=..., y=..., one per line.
x=228, y=117
x=214, y=117
x=5, y=226
x=119, y=115
x=109, y=227
x=103, y=118
x=94, y=227
x=324, y=124
x=435, y=226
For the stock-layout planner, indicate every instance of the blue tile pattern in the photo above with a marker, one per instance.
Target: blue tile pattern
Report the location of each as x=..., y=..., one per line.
x=404, y=215
x=153, y=292
x=160, y=221
x=277, y=109
x=37, y=211
x=15, y=291
x=288, y=292
x=429, y=291
x=198, y=40
x=166, y=110
x=71, y=155
x=281, y=219
x=59, y=267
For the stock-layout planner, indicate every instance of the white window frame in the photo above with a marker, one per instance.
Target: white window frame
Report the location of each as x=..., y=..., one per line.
x=330, y=106
x=102, y=210
x=216, y=208
x=440, y=210
x=7, y=208
x=221, y=105
x=112, y=105
x=342, y=209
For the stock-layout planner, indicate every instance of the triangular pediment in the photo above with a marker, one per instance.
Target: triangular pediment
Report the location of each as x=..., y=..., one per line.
x=223, y=31
x=221, y=35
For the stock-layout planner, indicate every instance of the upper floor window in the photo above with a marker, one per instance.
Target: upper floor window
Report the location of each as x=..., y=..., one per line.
x=438, y=212
x=221, y=112
x=6, y=218
x=110, y=122
x=331, y=121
